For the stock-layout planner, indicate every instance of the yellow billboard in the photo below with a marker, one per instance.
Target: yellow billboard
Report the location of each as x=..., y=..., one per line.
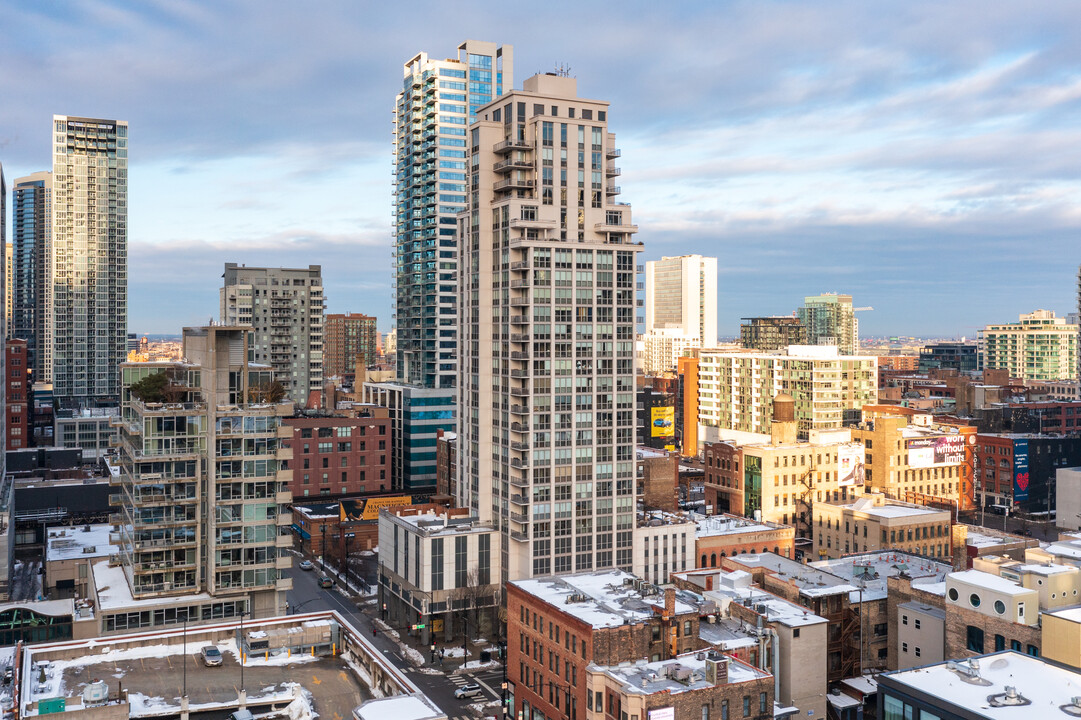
x=368, y=508
x=662, y=422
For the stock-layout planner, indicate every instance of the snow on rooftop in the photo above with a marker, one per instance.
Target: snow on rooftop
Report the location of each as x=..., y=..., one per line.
x=1072, y=614
x=871, y=569
x=399, y=707
x=1049, y=569
x=649, y=678
x=987, y=581
x=775, y=609
x=1070, y=550
x=714, y=525
x=609, y=598
x=114, y=594
x=1047, y=687
x=72, y=543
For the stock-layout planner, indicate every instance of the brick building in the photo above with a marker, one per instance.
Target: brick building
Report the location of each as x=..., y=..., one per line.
x=557, y=626
x=721, y=536
x=658, y=479
x=16, y=385
x=446, y=463
x=696, y=685
x=872, y=523
x=348, y=338
x=336, y=456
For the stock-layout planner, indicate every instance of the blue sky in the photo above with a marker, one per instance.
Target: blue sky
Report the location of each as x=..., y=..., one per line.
x=923, y=156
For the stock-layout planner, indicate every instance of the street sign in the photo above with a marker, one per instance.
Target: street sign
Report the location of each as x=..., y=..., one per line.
x=418, y=627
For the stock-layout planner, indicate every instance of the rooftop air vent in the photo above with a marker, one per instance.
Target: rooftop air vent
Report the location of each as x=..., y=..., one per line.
x=1010, y=698
x=1074, y=708
x=969, y=672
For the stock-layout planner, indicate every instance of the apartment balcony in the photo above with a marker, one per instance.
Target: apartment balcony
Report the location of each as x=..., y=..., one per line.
x=508, y=146
x=612, y=190
x=520, y=536
x=284, y=584
x=519, y=337
x=519, y=518
x=536, y=224
x=518, y=482
x=284, y=497
x=513, y=164
x=519, y=320
x=516, y=463
x=612, y=171
x=519, y=392
x=283, y=562
x=284, y=519
x=520, y=446
x=519, y=302
x=519, y=499
x=514, y=184
x=519, y=374
x=284, y=453
x=519, y=427
x=612, y=153
x=620, y=228
x=519, y=410
x=519, y=264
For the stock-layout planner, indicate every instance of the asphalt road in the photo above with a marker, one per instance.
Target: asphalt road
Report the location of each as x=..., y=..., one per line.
x=307, y=596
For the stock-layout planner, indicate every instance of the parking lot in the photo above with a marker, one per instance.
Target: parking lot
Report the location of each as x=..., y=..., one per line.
x=155, y=684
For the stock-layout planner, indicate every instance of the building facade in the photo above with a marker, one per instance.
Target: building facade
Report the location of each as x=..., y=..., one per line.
x=871, y=523
x=201, y=493
x=663, y=347
x=284, y=309
x=546, y=422
x=772, y=333
x=89, y=257
x=830, y=319
x=1039, y=346
x=30, y=283
x=16, y=392
x=350, y=339
x=416, y=416
x=339, y=455
x=736, y=389
x=960, y=356
x=92, y=430
x=681, y=295
x=438, y=101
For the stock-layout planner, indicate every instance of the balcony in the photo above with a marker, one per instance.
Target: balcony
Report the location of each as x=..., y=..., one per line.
x=519, y=499
x=513, y=164
x=519, y=518
x=612, y=190
x=534, y=224
x=612, y=171
x=519, y=302
x=612, y=153
x=520, y=446
x=519, y=482
x=519, y=337
x=521, y=536
x=519, y=264
x=507, y=146
x=519, y=410
x=514, y=184
x=519, y=392
x=519, y=427
x=517, y=355
x=620, y=228
x=519, y=373
x=519, y=320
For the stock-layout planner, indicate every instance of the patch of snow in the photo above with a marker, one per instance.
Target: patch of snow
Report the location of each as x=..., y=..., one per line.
x=430, y=671
x=478, y=665
x=480, y=708
x=361, y=672
x=412, y=655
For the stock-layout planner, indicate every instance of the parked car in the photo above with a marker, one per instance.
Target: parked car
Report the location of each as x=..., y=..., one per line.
x=211, y=656
x=325, y=582
x=468, y=691
x=241, y=715
x=306, y=565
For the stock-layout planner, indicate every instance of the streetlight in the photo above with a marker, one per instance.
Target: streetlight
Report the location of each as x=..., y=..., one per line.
x=323, y=556
x=243, y=692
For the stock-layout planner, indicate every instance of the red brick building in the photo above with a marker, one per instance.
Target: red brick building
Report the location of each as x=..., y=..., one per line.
x=348, y=338
x=16, y=387
x=724, y=478
x=335, y=456
x=556, y=626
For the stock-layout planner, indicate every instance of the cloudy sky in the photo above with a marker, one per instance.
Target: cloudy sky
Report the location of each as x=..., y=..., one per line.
x=923, y=156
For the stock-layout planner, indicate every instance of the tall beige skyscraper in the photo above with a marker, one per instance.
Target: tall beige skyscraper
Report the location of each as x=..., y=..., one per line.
x=89, y=264
x=547, y=296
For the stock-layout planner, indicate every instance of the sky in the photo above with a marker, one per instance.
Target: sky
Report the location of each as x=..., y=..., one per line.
x=923, y=156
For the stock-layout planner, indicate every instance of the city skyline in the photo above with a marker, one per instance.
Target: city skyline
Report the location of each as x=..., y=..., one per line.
x=812, y=149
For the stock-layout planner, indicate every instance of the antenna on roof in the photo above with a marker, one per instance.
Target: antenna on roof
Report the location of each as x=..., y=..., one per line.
x=563, y=70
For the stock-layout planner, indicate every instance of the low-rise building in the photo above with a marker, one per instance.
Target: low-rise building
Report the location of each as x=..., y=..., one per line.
x=1018, y=471
x=984, y=687
x=911, y=457
x=435, y=570
x=658, y=479
x=90, y=429
x=685, y=686
x=986, y=612
x=664, y=543
x=557, y=626
x=720, y=536
x=872, y=523
x=921, y=634
x=69, y=555
x=16, y=390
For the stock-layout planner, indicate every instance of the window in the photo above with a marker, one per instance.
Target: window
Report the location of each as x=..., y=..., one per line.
x=917, y=651
x=1033, y=651
x=705, y=712
x=746, y=706
x=975, y=639
x=904, y=647
x=916, y=621
x=904, y=619
x=724, y=710
x=1000, y=643
x=762, y=702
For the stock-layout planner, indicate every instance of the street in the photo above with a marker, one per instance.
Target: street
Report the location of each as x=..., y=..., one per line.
x=307, y=596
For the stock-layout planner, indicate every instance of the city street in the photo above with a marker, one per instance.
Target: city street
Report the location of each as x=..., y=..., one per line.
x=436, y=683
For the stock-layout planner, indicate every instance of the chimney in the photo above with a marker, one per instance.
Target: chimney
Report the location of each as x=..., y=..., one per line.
x=670, y=602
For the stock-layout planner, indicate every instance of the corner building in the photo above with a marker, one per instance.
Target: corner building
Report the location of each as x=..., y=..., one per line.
x=546, y=397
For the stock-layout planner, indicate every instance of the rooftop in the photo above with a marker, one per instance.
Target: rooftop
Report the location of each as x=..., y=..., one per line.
x=713, y=525
x=399, y=707
x=1044, y=689
x=603, y=599
x=88, y=541
x=111, y=584
x=891, y=509
x=678, y=674
x=736, y=587
x=433, y=524
x=987, y=581
x=871, y=569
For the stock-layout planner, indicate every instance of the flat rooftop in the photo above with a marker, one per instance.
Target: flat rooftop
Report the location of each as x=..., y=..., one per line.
x=871, y=569
x=72, y=543
x=736, y=587
x=988, y=581
x=114, y=593
x=716, y=525
x=677, y=675
x=438, y=524
x=891, y=509
x=1047, y=688
x=603, y=599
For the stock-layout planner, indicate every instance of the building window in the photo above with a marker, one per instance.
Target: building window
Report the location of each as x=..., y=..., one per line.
x=975, y=639
x=437, y=564
x=705, y=712
x=746, y=706
x=461, y=557
x=1000, y=643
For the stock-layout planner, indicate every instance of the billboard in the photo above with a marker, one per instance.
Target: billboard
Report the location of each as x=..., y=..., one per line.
x=944, y=450
x=662, y=422
x=850, y=465
x=1020, y=471
x=368, y=508
x=666, y=713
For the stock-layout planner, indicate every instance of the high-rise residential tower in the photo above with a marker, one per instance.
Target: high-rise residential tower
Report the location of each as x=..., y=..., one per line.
x=349, y=337
x=284, y=308
x=30, y=285
x=681, y=293
x=1039, y=346
x=546, y=395
x=201, y=502
x=830, y=319
x=439, y=99
x=89, y=256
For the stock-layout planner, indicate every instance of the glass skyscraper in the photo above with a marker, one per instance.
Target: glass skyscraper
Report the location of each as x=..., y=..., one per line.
x=438, y=101
x=31, y=281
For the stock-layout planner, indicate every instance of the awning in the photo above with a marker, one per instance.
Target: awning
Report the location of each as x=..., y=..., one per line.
x=304, y=534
